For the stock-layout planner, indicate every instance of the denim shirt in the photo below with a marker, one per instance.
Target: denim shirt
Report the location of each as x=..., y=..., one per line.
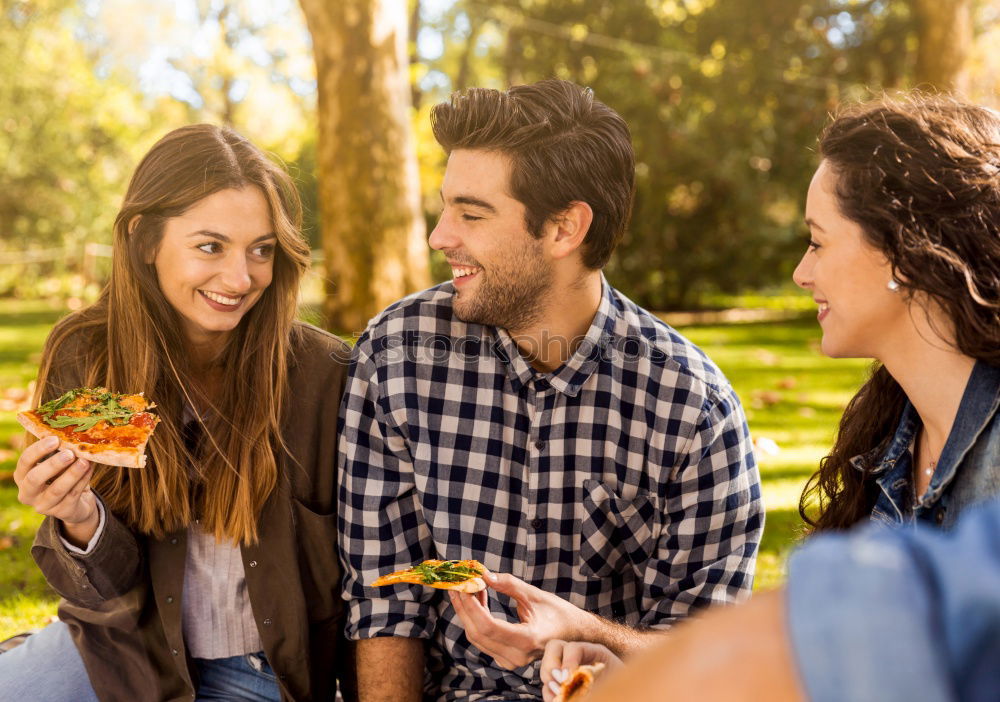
x=898, y=615
x=968, y=470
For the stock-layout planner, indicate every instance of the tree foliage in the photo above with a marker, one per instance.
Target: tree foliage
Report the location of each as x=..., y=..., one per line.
x=724, y=100
x=66, y=132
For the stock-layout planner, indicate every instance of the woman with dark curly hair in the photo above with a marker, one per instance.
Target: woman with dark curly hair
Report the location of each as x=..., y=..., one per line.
x=904, y=263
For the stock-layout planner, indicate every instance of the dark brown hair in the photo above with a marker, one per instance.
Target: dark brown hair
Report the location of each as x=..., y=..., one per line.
x=132, y=341
x=921, y=176
x=565, y=146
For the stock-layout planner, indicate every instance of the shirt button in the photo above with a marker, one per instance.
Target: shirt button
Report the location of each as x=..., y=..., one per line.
x=173, y=541
x=170, y=600
x=267, y=622
x=282, y=676
x=939, y=515
x=253, y=564
x=174, y=651
x=537, y=523
x=539, y=445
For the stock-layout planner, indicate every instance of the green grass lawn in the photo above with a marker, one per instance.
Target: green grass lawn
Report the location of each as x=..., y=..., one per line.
x=792, y=395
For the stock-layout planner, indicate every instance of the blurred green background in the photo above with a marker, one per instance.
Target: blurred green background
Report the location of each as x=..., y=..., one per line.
x=724, y=100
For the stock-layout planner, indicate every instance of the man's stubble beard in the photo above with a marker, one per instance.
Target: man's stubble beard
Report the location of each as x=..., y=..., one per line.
x=512, y=298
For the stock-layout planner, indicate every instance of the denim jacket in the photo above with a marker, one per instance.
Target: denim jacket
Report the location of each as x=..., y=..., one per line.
x=968, y=470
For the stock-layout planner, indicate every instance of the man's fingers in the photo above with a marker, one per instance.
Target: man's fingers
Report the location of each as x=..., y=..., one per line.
x=496, y=638
x=34, y=454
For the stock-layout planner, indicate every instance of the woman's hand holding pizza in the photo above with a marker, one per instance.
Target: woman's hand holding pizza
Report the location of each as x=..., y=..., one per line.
x=58, y=486
x=563, y=657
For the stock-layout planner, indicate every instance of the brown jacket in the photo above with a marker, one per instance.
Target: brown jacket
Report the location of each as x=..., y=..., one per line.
x=123, y=600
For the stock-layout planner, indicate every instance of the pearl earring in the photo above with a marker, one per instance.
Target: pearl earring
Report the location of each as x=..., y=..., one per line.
x=893, y=285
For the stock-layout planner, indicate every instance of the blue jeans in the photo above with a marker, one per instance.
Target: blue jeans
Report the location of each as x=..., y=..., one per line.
x=247, y=678
x=45, y=668
x=48, y=668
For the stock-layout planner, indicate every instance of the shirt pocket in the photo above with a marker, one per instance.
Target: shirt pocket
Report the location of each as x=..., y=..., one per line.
x=616, y=533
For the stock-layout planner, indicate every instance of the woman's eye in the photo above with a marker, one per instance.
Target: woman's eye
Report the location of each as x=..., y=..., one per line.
x=265, y=251
x=210, y=247
x=813, y=245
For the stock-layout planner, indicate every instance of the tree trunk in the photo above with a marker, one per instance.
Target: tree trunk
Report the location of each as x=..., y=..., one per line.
x=373, y=230
x=944, y=38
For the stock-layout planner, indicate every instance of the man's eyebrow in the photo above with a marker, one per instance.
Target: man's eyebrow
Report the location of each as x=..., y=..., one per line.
x=226, y=239
x=473, y=202
x=811, y=223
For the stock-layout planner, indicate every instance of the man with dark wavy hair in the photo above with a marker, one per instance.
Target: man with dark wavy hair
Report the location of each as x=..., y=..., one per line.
x=528, y=415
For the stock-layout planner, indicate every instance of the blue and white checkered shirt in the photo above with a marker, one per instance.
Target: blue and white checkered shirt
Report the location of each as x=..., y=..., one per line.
x=624, y=481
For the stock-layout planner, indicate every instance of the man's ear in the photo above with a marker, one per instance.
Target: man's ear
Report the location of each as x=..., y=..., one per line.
x=571, y=228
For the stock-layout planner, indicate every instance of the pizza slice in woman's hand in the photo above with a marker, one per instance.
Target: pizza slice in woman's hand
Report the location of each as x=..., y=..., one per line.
x=96, y=425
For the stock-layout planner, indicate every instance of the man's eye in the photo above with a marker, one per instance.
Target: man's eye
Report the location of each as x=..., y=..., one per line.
x=210, y=247
x=471, y=218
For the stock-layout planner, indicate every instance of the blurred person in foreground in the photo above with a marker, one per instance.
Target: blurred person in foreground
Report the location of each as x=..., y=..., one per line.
x=528, y=415
x=876, y=614
x=904, y=263
x=211, y=571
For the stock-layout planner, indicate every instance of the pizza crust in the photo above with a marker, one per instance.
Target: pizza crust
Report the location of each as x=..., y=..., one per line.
x=578, y=684
x=126, y=457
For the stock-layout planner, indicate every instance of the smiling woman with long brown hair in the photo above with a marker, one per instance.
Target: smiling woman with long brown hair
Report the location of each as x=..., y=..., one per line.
x=904, y=263
x=211, y=571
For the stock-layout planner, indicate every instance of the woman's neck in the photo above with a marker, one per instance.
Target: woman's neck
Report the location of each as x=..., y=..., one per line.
x=934, y=379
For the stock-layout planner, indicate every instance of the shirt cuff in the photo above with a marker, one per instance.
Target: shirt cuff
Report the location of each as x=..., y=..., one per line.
x=371, y=618
x=75, y=550
x=861, y=620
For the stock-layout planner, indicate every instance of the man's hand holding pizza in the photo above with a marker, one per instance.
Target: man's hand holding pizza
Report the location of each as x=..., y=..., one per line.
x=543, y=617
x=58, y=486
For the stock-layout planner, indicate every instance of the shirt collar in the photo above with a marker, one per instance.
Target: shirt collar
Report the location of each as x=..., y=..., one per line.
x=570, y=376
x=906, y=430
x=979, y=405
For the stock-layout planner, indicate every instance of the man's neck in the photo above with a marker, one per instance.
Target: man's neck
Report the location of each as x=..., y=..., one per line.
x=565, y=320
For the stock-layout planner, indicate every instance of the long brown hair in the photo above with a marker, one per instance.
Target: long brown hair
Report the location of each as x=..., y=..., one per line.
x=921, y=176
x=131, y=340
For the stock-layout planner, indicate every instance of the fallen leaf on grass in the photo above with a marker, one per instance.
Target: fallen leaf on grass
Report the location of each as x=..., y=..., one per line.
x=788, y=382
x=16, y=394
x=767, y=358
x=6, y=542
x=807, y=412
x=760, y=399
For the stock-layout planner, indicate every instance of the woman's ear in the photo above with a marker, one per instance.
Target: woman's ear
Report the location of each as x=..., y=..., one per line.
x=572, y=226
x=150, y=255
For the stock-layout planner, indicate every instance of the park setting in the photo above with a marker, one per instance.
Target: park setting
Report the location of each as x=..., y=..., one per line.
x=724, y=103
